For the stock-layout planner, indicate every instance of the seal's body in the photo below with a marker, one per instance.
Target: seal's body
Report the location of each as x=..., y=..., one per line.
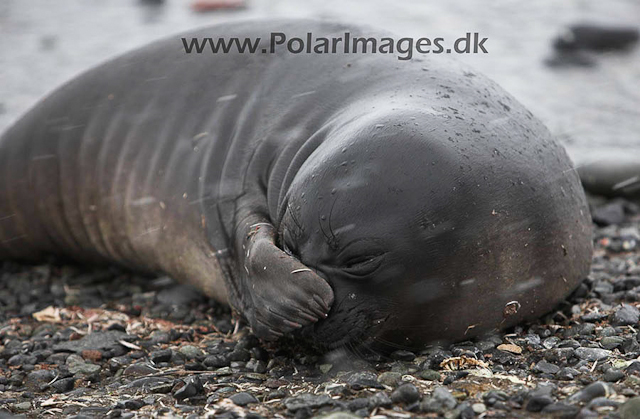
x=419, y=196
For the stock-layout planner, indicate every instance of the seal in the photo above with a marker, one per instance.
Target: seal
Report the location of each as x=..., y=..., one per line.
x=350, y=199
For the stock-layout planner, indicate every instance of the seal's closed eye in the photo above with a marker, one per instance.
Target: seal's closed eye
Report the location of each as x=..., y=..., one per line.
x=363, y=265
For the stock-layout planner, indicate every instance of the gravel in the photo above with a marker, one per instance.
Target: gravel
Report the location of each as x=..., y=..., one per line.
x=98, y=343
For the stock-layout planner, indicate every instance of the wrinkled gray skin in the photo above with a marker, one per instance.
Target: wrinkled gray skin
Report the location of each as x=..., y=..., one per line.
x=410, y=201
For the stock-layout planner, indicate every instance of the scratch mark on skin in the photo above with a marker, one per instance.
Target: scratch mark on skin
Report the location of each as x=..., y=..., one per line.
x=226, y=98
x=301, y=270
x=151, y=230
x=24, y=236
x=6, y=217
x=201, y=135
x=197, y=201
x=156, y=78
x=258, y=224
x=44, y=157
x=144, y=201
x=303, y=94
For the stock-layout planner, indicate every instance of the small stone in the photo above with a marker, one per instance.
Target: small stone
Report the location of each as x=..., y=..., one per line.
x=479, y=408
x=442, y=395
x=561, y=410
x=307, y=401
x=139, y=369
x=612, y=213
x=360, y=380
x=357, y=404
x=592, y=354
x=77, y=365
x=63, y=385
x=406, y=393
x=22, y=407
x=38, y=380
x=593, y=390
x=390, y=378
x=401, y=355
x=537, y=403
x=163, y=355
x=133, y=404
x=611, y=342
x=630, y=409
x=92, y=355
x=380, y=399
x=508, y=347
x=190, y=351
x=192, y=387
x=593, y=317
x=325, y=368
x=567, y=374
x=217, y=361
x=546, y=367
x=240, y=355
x=633, y=368
x=600, y=402
x=341, y=415
x=243, y=399
x=429, y=375
x=612, y=375
x=626, y=315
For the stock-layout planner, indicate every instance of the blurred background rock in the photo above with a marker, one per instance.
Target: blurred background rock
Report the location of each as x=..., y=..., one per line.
x=590, y=100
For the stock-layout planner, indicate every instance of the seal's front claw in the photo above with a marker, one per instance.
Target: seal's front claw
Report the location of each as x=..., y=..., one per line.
x=286, y=295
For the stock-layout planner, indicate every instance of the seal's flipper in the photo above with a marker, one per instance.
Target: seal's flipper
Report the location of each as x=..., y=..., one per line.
x=280, y=293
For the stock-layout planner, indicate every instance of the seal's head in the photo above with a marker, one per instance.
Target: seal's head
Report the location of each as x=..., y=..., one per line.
x=421, y=234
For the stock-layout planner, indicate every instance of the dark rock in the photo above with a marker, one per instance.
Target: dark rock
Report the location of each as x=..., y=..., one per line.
x=537, y=403
x=593, y=317
x=446, y=399
x=240, y=355
x=593, y=390
x=406, y=393
x=611, y=213
x=99, y=341
x=179, y=295
x=133, y=404
x=192, y=387
x=401, y=355
x=546, y=367
x=360, y=380
x=611, y=342
x=243, y=399
x=307, y=401
x=38, y=380
x=592, y=354
x=567, y=374
x=633, y=368
x=217, y=361
x=597, y=38
x=161, y=356
x=561, y=410
x=630, y=409
x=612, y=375
x=357, y=404
x=626, y=315
x=429, y=375
x=63, y=385
x=380, y=399
x=139, y=369
x=599, y=402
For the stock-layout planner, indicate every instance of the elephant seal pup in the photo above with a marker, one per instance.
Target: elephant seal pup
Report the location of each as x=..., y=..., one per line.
x=352, y=198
